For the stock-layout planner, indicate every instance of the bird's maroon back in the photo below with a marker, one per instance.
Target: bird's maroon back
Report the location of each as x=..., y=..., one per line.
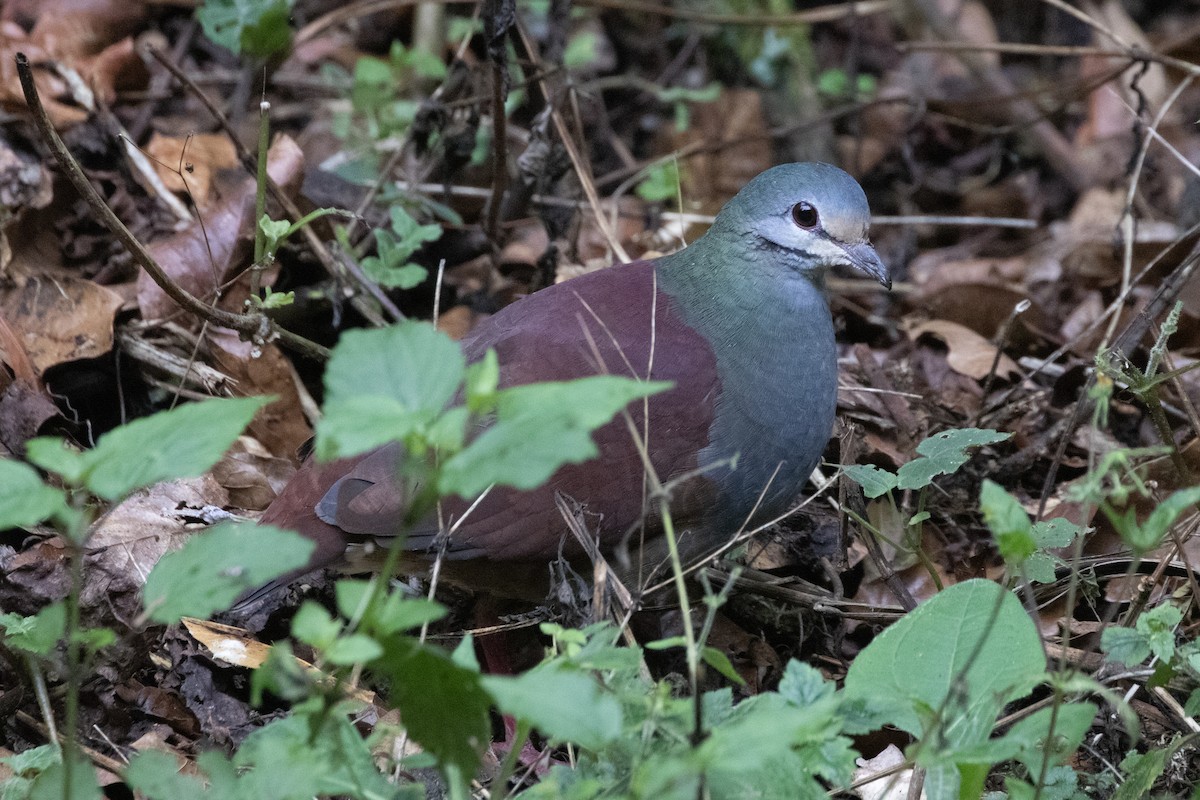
x=615, y=321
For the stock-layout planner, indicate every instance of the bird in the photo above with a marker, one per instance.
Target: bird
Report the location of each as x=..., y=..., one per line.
x=738, y=322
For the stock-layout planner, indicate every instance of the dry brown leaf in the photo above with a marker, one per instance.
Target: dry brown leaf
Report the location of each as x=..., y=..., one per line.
x=264, y=370
x=60, y=320
x=197, y=157
x=968, y=353
x=252, y=476
x=736, y=121
x=130, y=539
x=202, y=257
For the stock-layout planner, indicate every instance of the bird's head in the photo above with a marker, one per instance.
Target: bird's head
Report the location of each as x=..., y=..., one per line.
x=813, y=214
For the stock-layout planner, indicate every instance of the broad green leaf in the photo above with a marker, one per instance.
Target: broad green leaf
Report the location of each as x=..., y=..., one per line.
x=875, y=482
x=179, y=443
x=1158, y=624
x=398, y=378
x=215, y=567
x=943, y=453
x=565, y=705
x=396, y=613
x=157, y=776
x=357, y=648
x=314, y=625
x=254, y=27
x=1125, y=645
x=25, y=499
x=38, y=634
x=308, y=754
x=53, y=454
x=538, y=428
x=918, y=661
x=443, y=704
x=52, y=784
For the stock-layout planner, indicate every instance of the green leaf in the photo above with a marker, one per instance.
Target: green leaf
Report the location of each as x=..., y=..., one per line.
x=314, y=625
x=215, y=567
x=539, y=427
x=396, y=613
x=38, y=634
x=179, y=443
x=52, y=784
x=157, y=775
x=1147, y=536
x=443, y=704
x=1158, y=625
x=381, y=385
x=661, y=183
x=920, y=660
x=357, y=648
x=875, y=482
x=944, y=453
x=25, y=499
x=1125, y=645
x=53, y=454
x=565, y=705
x=718, y=660
x=315, y=752
x=1141, y=772
x=1009, y=523
x=254, y=27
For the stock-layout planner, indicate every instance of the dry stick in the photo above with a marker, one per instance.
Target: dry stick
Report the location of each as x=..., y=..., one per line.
x=560, y=127
x=829, y=13
x=250, y=163
x=1020, y=49
x=256, y=326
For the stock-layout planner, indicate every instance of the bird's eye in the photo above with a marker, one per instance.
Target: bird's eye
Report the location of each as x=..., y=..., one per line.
x=805, y=215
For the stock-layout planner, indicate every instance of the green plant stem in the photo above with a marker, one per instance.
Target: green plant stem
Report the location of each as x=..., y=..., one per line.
x=685, y=611
x=510, y=760
x=260, y=200
x=75, y=537
x=251, y=325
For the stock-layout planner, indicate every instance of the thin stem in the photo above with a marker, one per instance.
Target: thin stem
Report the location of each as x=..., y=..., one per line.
x=253, y=325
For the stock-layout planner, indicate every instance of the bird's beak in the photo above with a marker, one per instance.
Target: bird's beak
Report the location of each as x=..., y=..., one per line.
x=863, y=258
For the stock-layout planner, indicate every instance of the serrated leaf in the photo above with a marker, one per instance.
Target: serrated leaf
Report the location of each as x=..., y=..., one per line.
x=944, y=453
x=875, y=482
x=400, y=377
x=1125, y=645
x=179, y=443
x=214, y=568
x=38, y=634
x=565, y=705
x=25, y=499
x=539, y=427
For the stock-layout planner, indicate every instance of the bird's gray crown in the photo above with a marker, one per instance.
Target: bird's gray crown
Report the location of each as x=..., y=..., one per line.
x=766, y=202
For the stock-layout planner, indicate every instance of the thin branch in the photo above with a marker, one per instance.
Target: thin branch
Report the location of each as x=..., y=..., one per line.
x=253, y=325
x=250, y=163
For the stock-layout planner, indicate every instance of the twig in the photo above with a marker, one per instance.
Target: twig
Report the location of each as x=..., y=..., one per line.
x=250, y=163
x=253, y=325
x=828, y=13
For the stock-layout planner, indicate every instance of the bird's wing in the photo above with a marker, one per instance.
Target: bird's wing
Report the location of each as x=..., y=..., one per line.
x=610, y=321
x=614, y=321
